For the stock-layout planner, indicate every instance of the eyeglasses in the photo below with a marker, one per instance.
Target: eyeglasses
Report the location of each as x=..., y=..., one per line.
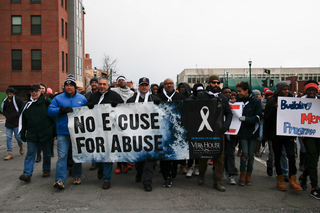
x=170, y=83
x=215, y=82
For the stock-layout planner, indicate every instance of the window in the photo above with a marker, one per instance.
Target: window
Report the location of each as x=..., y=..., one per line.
x=65, y=4
x=62, y=3
x=36, y=24
x=80, y=37
x=16, y=59
x=62, y=27
x=66, y=30
x=77, y=7
x=15, y=0
x=16, y=24
x=80, y=10
x=35, y=0
x=35, y=59
x=67, y=62
x=62, y=61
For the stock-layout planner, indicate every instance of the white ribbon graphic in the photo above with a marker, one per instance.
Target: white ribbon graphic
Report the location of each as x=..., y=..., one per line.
x=204, y=117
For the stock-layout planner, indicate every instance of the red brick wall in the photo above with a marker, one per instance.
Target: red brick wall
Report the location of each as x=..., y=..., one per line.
x=49, y=41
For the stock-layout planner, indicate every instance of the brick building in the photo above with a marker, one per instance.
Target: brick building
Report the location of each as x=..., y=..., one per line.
x=41, y=41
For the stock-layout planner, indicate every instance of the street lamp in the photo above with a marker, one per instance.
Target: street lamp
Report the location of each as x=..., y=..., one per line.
x=250, y=62
x=227, y=73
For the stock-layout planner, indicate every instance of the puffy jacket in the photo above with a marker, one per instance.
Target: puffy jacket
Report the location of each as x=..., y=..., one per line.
x=36, y=122
x=64, y=99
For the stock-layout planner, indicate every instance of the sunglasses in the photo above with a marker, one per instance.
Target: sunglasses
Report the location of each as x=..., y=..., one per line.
x=215, y=82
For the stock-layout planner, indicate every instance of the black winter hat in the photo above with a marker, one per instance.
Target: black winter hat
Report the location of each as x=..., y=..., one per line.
x=10, y=90
x=94, y=79
x=70, y=80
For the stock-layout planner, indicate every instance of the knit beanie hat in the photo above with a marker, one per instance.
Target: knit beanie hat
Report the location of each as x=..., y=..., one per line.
x=70, y=80
x=94, y=79
x=213, y=77
x=256, y=92
x=280, y=85
x=10, y=89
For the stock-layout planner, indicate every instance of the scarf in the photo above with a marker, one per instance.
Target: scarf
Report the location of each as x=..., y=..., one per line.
x=211, y=93
x=26, y=106
x=146, y=96
x=101, y=97
x=14, y=103
x=169, y=98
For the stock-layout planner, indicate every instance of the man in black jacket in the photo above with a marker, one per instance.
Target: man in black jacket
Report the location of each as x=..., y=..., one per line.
x=169, y=168
x=248, y=133
x=145, y=168
x=103, y=96
x=213, y=91
x=11, y=106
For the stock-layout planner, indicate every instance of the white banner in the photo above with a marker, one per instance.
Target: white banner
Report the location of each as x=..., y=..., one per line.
x=298, y=117
x=236, y=109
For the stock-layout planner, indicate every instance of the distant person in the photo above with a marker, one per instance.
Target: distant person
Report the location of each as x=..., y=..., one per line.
x=37, y=128
x=11, y=107
x=154, y=89
x=59, y=107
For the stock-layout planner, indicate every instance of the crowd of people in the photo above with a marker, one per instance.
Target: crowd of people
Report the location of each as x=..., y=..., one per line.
x=44, y=117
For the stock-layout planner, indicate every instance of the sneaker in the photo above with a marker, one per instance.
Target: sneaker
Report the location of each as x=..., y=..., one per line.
x=118, y=170
x=196, y=170
x=46, y=174
x=25, y=178
x=147, y=187
x=59, y=185
x=168, y=183
x=269, y=171
x=315, y=192
x=125, y=167
x=219, y=187
x=189, y=173
x=183, y=170
x=76, y=181
x=303, y=183
x=200, y=179
x=223, y=176
x=211, y=162
x=232, y=181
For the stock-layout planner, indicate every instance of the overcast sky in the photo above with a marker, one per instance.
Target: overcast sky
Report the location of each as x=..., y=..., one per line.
x=158, y=39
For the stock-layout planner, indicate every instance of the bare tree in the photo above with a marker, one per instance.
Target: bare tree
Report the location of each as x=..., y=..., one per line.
x=109, y=64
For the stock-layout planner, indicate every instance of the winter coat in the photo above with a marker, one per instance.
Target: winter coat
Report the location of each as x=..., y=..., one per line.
x=64, y=99
x=36, y=121
x=225, y=107
x=10, y=112
x=253, y=113
x=188, y=88
x=150, y=98
x=109, y=97
x=176, y=97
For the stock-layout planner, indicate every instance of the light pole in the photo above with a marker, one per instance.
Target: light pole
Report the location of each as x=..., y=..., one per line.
x=250, y=62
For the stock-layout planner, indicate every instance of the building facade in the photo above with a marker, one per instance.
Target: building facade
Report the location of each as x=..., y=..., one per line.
x=41, y=42
x=195, y=75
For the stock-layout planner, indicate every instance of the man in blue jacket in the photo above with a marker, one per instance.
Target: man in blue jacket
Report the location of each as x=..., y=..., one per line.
x=59, y=107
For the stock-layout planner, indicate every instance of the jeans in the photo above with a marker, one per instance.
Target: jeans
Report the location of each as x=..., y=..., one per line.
x=283, y=161
x=248, y=147
x=229, y=159
x=31, y=156
x=9, y=132
x=63, y=144
x=107, y=170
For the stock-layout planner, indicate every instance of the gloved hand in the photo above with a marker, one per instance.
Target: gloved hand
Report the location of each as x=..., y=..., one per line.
x=90, y=105
x=223, y=130
x=156, y=102
x=242, y=118
x=23, y=137
x=114, y=104
x=65, y=110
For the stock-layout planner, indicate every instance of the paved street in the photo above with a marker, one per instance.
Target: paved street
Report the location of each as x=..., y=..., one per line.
x=126, y=195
